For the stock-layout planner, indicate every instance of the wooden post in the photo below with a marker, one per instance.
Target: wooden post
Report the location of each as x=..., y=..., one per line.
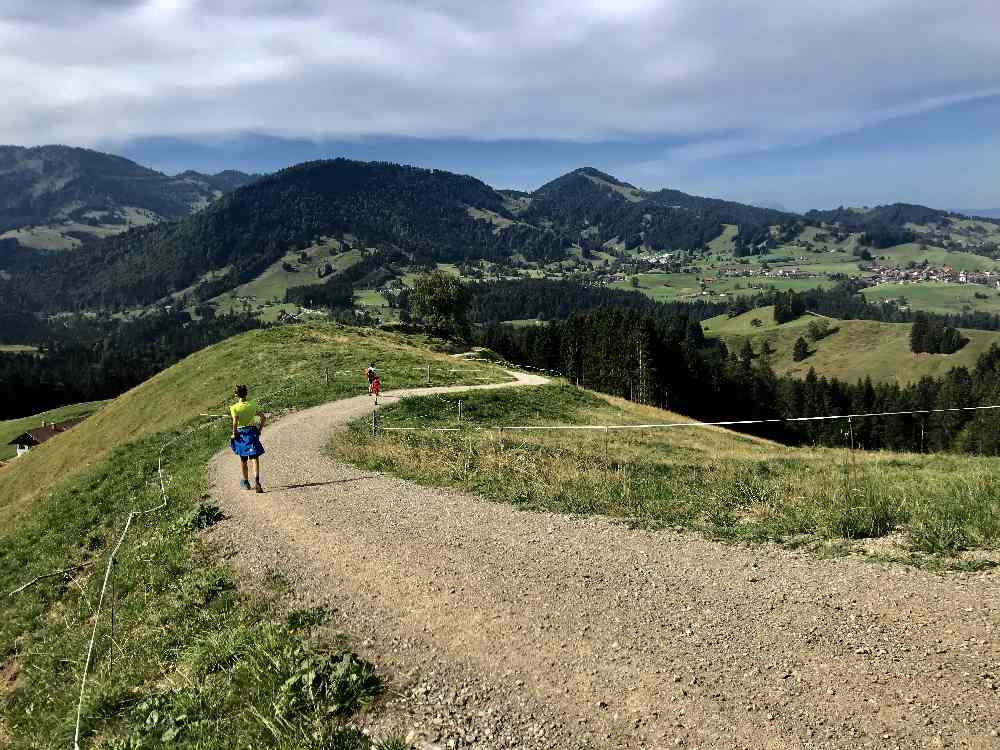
x=328, y=377
x=850, y=426
x=460, y=410
x=428, y=374
x=374, y=421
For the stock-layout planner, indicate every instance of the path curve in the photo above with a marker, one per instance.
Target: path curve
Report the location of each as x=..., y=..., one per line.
x=503, y=628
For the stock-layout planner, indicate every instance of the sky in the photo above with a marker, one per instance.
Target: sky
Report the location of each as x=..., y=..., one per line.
x=804, y=103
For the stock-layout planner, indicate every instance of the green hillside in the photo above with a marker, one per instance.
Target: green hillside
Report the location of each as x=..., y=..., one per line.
x=199, y=660
x=859, y=348
x=11, y=428
x=711, y=480
x=54, y=197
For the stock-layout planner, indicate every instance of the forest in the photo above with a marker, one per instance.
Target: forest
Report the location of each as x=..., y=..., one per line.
x=89, y=361
x=670, y=364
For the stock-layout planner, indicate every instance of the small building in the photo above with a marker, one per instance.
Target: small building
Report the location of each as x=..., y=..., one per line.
x=33, y=438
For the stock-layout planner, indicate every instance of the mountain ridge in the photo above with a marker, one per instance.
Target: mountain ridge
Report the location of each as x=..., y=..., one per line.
x=413, y=217
x=77, y=194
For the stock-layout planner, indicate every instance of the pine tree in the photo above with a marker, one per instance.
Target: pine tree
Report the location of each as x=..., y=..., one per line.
x=801, y=349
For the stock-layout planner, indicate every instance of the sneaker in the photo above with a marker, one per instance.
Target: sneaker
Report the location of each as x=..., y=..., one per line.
x=258, y=488
x=244, y=484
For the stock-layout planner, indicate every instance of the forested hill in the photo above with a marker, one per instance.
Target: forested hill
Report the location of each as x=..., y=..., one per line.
x=430, y=214
x=419, y=217
x=60, y=185
x=596, y=208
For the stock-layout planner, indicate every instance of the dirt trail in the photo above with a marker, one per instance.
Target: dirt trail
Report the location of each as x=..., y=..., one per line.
x=504, y=628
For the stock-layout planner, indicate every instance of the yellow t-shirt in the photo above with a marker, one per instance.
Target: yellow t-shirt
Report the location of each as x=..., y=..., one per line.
x=245, y=412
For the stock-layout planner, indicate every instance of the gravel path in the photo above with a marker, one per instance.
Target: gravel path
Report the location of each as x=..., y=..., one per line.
x=507, y=629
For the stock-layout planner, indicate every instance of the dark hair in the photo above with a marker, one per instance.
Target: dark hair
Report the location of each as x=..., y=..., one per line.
x=241, y=391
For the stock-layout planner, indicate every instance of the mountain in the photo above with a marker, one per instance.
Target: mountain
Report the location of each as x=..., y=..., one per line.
x=985, y=213
x=430, y=215
x=590, y=205
x=55, y=197
x=399, y=217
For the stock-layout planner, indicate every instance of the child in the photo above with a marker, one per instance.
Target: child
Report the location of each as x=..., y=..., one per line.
x=374, y=383
x=245, y=438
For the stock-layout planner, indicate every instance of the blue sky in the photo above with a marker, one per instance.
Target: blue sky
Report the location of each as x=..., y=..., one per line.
x=808, y=103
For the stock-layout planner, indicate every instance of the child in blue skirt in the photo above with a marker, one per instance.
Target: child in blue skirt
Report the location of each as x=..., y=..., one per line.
x=245, y=439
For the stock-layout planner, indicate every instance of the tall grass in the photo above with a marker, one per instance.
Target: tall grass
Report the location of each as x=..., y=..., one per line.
x=723, y=484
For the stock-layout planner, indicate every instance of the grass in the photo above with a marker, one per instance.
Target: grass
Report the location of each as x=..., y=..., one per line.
x=198, y=662
x=938, y=297
x=11, y=428
x=720, y=483
x=901, y=255
x=275, y=281
x=859, y=348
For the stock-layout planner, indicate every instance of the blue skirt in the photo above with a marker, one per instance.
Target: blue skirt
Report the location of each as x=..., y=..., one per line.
x=246, y=444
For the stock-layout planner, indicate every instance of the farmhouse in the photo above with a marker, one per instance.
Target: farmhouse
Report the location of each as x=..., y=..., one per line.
x=32, y=438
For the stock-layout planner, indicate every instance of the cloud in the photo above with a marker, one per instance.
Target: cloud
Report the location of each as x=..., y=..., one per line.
x=735, y=75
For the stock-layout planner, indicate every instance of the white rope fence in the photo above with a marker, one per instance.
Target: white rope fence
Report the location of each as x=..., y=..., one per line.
x=669, y=425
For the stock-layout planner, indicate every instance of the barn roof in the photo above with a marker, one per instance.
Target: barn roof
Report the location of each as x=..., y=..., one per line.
x=47, y=431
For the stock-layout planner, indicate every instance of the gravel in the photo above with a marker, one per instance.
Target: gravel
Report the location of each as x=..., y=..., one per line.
x=499, y=628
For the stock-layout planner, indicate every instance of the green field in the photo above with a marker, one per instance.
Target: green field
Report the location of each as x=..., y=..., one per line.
x=938, y=297
x=859, y=348
x=912, y=252
x=269, y=288
x=11, y=428
x=200, y=661
x=709, y=480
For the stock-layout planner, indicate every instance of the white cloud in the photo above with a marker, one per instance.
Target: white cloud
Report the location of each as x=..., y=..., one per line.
x=746, y=74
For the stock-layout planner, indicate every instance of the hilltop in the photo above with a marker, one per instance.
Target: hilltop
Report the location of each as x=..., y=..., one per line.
x=65, y=504
x=57, y=197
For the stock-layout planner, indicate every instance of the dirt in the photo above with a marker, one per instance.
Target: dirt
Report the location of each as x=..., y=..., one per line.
x=500, y=628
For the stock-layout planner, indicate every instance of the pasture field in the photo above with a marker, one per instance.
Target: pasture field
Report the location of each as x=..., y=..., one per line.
x=723, y=484
x=939, y=297
x=858, y=349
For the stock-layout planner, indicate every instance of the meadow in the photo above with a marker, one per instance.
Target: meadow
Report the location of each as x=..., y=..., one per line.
x=11, y=428
x=857, y=349
x=932, y=508
x=195, y=659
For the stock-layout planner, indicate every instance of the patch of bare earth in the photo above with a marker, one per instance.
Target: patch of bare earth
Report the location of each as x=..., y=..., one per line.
x=500, y=628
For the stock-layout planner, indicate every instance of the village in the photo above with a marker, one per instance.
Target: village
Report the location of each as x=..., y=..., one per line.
x=923, y=272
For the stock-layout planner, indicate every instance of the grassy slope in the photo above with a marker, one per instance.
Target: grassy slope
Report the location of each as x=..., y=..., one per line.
x=274, y=281
x=199, y=660
x=11, y=428
x=709, y=479
x=859, y=349
x=938, y=297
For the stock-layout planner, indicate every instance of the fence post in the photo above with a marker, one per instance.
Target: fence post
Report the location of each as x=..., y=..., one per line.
x=114, y=602
x=428, y=374
x=850, y=426
x=374, y=421
x=605, y=447
x=460, y=410
x=327, y=377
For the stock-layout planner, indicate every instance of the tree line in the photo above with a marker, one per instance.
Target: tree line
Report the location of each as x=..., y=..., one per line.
x=91, y=363
x=670, y=364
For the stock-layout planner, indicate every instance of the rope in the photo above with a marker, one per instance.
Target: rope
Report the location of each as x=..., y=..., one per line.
x=727, y=423
x=36, y=579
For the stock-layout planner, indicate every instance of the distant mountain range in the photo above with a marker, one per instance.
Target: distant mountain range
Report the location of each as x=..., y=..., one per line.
x=414, y=217
x=57, y=197
x=987, y=213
